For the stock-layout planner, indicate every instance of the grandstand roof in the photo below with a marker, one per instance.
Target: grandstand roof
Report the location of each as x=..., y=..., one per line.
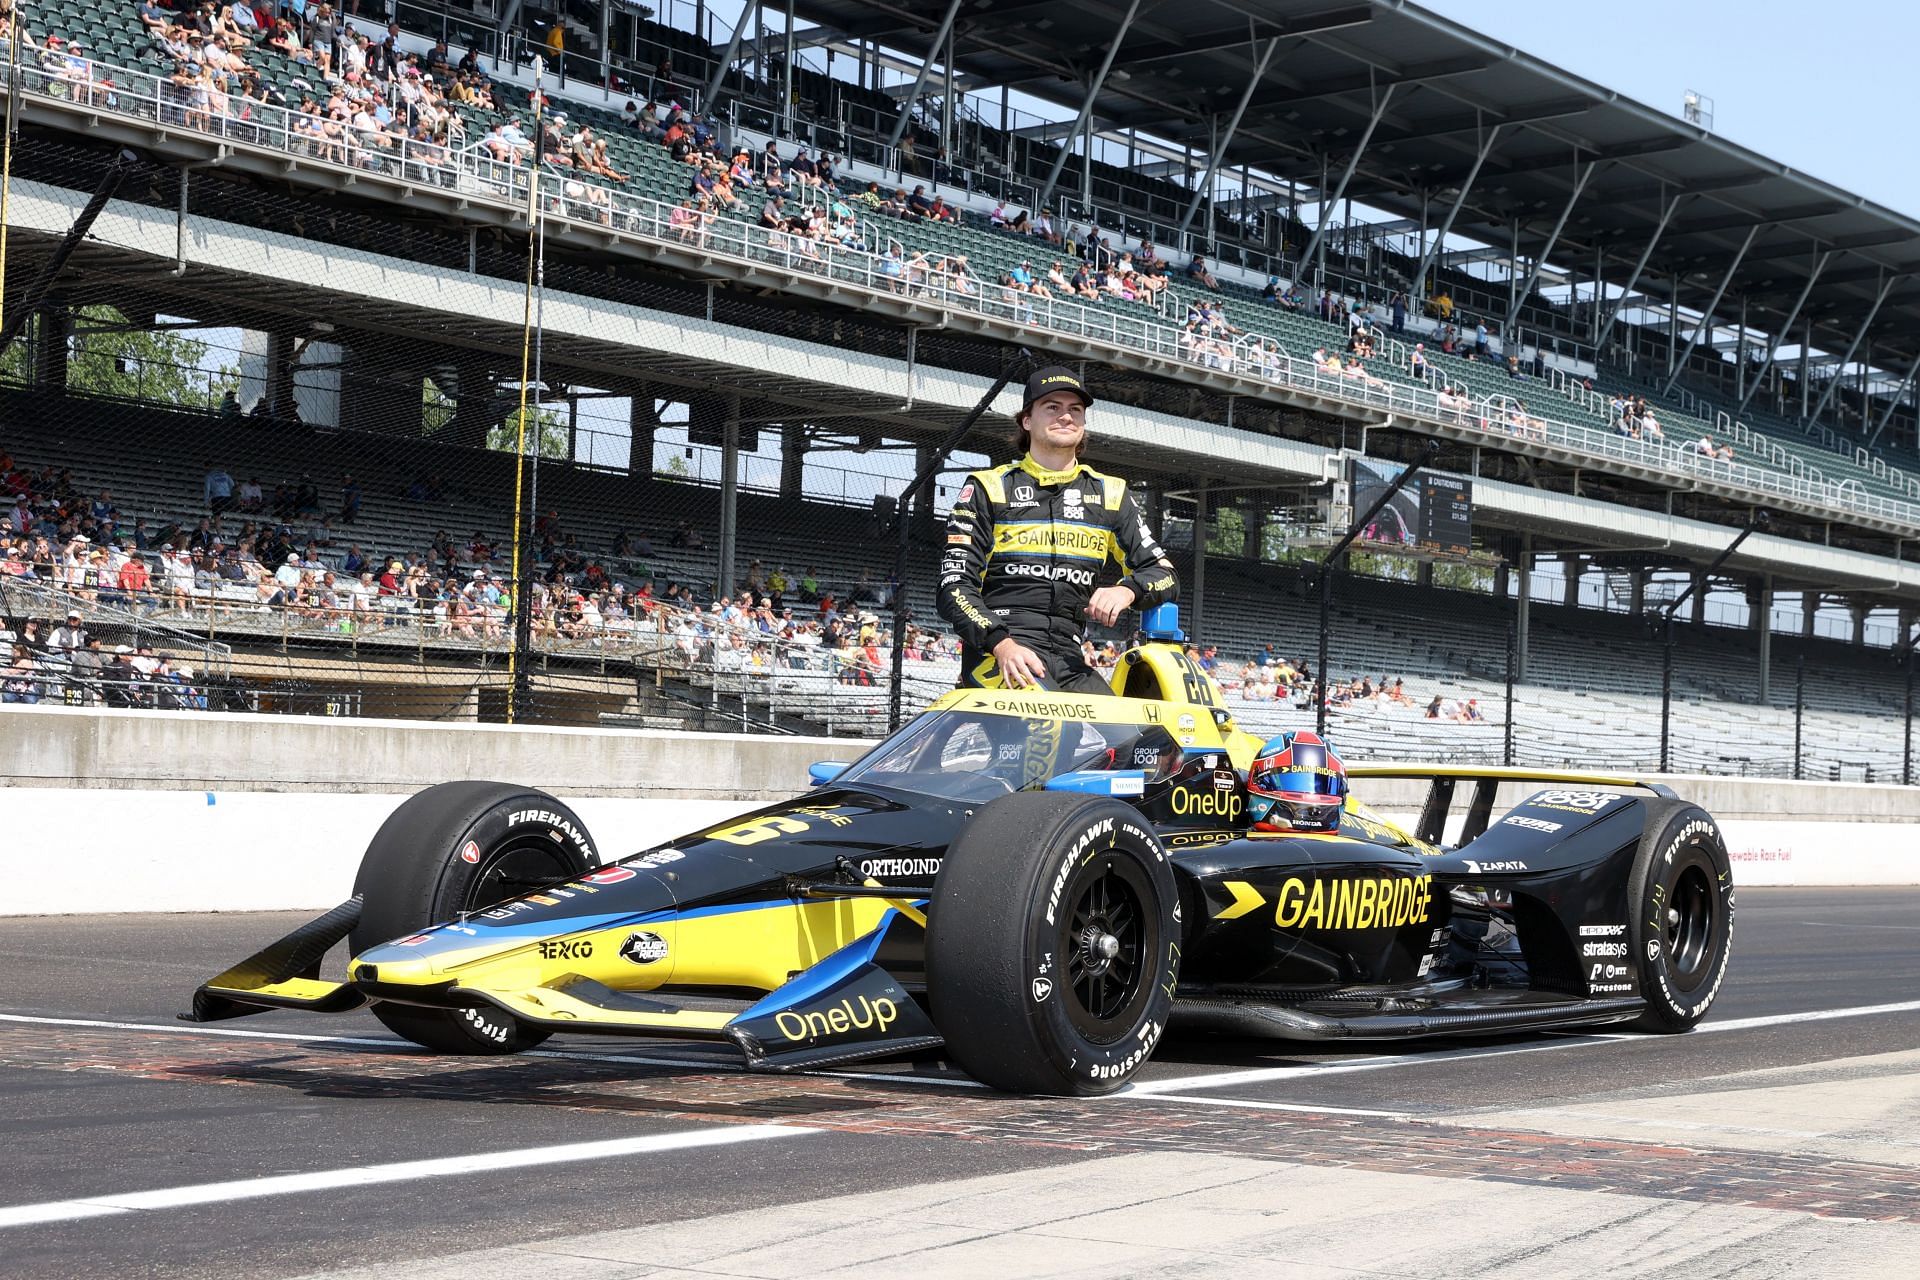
x=1182, y=69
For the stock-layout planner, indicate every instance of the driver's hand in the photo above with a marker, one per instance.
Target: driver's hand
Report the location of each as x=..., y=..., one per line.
x=1019, y=665
x=1107, y=603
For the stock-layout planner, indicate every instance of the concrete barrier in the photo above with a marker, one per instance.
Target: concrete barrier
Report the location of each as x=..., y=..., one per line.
x=104, y=811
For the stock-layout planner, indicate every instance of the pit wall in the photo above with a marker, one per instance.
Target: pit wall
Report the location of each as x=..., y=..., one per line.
x=104, y=811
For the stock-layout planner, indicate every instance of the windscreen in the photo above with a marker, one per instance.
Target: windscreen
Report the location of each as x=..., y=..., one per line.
x=968, y=755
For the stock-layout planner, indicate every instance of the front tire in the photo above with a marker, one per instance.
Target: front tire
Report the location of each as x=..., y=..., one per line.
x=1053, y=944
x=459, y=848
x=1680, y=895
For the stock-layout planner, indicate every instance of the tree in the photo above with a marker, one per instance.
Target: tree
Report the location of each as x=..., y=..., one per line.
x=109, y=356
x=543, y=425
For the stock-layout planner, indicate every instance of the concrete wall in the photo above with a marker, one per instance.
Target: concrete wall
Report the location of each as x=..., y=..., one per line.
x=128, y=811
x=70, y=747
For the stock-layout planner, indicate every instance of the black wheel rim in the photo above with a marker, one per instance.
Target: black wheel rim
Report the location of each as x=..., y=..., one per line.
x=1689, y=926
x=513, y=868
x=1108, y=941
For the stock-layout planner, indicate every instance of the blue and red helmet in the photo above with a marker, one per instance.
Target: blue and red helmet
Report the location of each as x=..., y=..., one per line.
x=1297, y=783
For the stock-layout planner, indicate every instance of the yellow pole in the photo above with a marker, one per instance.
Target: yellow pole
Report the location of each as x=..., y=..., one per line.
x=522, y=598
x=6, y=148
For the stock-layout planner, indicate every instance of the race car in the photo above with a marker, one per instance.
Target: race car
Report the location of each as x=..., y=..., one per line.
x=1034, y=886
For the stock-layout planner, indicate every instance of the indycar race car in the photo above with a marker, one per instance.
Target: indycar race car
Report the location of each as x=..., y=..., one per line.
x=1033, y=885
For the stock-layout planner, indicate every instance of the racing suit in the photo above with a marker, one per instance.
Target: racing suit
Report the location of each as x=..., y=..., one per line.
x=1024, y=549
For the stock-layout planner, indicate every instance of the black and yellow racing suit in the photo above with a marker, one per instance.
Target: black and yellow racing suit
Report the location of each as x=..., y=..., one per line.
x=1024, y=549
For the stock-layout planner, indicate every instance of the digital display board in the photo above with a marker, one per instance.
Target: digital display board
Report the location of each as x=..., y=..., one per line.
x=1433, y=512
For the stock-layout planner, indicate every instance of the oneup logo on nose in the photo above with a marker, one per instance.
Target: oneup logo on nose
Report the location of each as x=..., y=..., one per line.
x=857, y=1014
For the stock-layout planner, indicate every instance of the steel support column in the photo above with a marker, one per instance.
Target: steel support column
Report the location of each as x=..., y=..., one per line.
x=1553, y=238
x=1086, y=107
x=1706, y=319
x=1416, y=295
x=1893, y=402
x=710, y=102
x=1340, y=190
x=1786, y=330
x=1653, y=242
x=1226, y=139
x=920, y=77
x=1833, y=383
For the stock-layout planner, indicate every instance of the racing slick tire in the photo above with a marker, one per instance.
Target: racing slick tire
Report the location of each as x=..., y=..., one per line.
x=460, y=847
x=1680, y=922
x=1053, y=944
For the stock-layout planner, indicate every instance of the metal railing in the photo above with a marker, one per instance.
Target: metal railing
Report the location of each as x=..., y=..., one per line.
x=592, y=205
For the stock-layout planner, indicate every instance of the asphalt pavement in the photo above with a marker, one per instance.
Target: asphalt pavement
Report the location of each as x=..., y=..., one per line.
x=286, y=1145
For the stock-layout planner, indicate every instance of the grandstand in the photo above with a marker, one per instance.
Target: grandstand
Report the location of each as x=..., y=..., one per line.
x=333, y=259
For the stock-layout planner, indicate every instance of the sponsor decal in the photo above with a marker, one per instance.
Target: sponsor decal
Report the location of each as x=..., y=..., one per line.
x=643, y=948
x=1610, y=988
x=498, y=913
x=558, y=823
x=414, y=941
x=1607, y=972
x=1011, y=751
x=494, y=1029
x=1426, y=966
x=1042, y=988
x=860, y=1013
x=878, y=868
x=1488, y=868
x=1127, y=785
x=1080, y=851
x=1760, y=855
x=1037, y=707
x=1582, y=802
x=1056, y=539
x=1226, y=804
x=1186, y=723
x=660, y=858
x=771, y=827
x=966, y=492
x=1370, y=902
x=1146, y=757
x=1532, y=824
x=1222, y=779
x=1049, y=572
x=1073, y=504
x=1176, y=911
x=608, y=875
x=958, y=539
x=1152, y=713
x=1196, y=839
x=470, y=852
x=567, y=949
x=1611, y=949
x=1653, y=949
x=1149, y=1035
x=543, y=900
x=1023, y=494
x=1602, y=930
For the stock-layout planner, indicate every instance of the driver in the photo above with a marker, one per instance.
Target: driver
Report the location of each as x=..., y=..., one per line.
x=1025, y=543
x=1296, y=783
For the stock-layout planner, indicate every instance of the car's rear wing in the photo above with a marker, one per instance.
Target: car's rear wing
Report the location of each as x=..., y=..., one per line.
x=1444, y=779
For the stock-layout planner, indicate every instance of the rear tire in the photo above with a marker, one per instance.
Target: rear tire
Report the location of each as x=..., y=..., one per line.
x=1053, y=944
x=1680, y=926
x=461, y=847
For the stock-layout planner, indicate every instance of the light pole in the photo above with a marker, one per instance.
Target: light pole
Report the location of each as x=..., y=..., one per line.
x=1758, y=520
x=1325, y=570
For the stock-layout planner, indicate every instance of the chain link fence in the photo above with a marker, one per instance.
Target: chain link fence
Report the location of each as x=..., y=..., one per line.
x=478, y=472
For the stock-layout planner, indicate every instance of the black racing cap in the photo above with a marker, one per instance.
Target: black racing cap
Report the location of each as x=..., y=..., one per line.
x=1045, y=382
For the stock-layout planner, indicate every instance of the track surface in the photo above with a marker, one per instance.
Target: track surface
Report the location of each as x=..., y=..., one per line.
x=1759, y=1144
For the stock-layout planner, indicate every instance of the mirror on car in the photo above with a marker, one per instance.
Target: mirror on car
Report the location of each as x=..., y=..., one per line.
x=821, y=772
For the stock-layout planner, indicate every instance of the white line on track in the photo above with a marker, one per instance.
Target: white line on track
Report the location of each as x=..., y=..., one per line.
x=1230, y=1079
x=22, y=1215
x=1170, y=1090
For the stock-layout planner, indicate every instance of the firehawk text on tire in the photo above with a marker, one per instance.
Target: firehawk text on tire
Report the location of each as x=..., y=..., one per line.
x=1681, y=898
x=1053, y=944
x=458, y=848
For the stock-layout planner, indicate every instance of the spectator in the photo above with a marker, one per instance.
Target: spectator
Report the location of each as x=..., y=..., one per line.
x=218, y=490
x=70, y=635
x=1197, y=271
x=1417, y=362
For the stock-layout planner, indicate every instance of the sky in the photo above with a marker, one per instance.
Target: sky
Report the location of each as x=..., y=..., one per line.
x=1826, y=89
